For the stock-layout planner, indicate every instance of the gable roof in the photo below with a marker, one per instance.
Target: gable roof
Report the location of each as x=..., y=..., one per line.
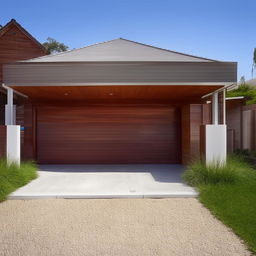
x=119, y=50
x=13, y=22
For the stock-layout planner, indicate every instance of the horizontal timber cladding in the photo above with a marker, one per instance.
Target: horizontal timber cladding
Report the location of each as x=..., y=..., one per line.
x=81, y=73
x=117, y=94
x=17, y=45
x=2, y=140
x=108, y=134
x=193, y=117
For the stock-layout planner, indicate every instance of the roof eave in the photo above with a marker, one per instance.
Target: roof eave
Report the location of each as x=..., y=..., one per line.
x=5, y=28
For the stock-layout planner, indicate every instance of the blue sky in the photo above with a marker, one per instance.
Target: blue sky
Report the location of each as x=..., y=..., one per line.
x=217, y=29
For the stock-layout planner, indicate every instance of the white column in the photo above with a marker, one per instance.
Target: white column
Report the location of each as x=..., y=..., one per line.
x=10, y=116
x=8, y=120
x=215, y=112
x=13, y=144
x=216, y=134
x=224, y=106
x=215, y=144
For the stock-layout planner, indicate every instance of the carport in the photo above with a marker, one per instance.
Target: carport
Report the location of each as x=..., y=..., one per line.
x=117, y=103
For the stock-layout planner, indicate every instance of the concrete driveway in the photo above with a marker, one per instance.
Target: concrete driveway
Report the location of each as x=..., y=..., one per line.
x=106, y=181
x=126, y=227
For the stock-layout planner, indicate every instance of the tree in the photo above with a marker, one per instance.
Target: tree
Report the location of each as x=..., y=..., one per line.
x=242, y=80
x=53, y=46
x=254, y=61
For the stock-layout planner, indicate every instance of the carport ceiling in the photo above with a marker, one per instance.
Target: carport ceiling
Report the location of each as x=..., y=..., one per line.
x=122, y=93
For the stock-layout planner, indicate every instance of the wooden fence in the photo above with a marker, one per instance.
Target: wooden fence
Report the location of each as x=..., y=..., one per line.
x=248, y=127
x=241, y=124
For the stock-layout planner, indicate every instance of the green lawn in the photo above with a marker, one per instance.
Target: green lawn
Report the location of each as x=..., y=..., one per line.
x=230, y=194
x=12, y=177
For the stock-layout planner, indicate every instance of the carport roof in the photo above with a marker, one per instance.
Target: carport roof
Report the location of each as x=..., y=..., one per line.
x=119, y=50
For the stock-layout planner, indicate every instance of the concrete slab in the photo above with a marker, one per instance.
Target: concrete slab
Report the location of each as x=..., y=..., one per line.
x=106, y=181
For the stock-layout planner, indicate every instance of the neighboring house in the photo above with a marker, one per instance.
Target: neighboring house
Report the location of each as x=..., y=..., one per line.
x=119, y=102
x=15, y=44
x=251, y=82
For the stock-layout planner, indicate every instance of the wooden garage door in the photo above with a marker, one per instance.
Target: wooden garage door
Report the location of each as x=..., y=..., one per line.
x=108, y=134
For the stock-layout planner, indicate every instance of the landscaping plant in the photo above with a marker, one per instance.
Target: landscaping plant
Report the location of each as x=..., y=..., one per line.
x=248, y=91
x=229, y=192
x=13, y=177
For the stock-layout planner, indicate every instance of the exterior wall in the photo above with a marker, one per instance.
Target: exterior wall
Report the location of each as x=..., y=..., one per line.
x=193, y=116
x=2, y=140
x=16, y=45
x=2, y=107
x=29, y=147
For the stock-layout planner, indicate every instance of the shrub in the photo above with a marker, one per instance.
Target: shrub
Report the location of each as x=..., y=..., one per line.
x=248, y=91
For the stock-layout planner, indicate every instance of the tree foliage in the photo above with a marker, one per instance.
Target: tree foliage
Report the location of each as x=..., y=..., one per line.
x=254, y=61
x=248, y=91
x=53, y=46
x=242, y=80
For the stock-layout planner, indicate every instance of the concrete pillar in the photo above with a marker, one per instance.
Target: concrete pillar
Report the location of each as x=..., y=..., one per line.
x=213, y=137
x=10, y=110
x=215, y=143
x=215, y=109
x=10, y=119
x=13, y=144
x=224, y=107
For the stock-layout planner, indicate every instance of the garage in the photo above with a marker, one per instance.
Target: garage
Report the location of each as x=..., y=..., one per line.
x=108, y=134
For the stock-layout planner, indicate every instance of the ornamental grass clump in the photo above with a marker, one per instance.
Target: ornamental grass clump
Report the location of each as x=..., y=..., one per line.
x=13, y=177
x=200, y=173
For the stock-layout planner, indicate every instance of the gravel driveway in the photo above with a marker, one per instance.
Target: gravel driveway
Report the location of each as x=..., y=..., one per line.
x=113, y=227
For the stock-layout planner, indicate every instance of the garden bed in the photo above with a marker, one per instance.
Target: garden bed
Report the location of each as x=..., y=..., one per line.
x=13, y=177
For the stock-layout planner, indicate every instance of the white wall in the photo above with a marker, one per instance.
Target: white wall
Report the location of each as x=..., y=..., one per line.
x=215, y=143
x=13, y=144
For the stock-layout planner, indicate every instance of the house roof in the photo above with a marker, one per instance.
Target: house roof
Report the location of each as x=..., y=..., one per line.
x=120, y=50
x=251, y=82
x=13, y=22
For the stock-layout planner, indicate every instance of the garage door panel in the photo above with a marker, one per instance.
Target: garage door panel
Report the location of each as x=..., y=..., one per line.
x=108, y=134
